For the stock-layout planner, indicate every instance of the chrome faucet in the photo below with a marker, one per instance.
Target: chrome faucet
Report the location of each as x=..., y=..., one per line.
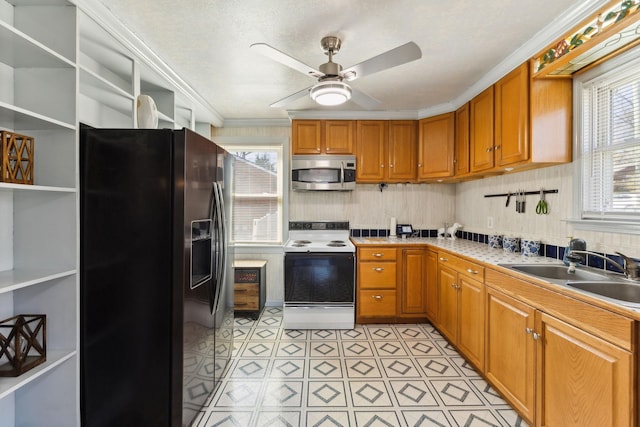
x=630, y=267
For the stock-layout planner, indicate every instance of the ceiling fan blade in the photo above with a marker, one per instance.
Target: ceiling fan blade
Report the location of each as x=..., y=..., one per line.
x=289, y=99
x=392, y=58
x=363, y=100
x=283, y=58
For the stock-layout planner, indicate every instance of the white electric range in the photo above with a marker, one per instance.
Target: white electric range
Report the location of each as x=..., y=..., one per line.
x=319, y=270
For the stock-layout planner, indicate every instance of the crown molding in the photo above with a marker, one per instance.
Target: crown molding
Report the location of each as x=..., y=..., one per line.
x=248, y=123
x=353, y=115
x=550, y=33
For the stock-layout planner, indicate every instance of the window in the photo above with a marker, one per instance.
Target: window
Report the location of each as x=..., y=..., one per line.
x=608, y=147
x=257, y=195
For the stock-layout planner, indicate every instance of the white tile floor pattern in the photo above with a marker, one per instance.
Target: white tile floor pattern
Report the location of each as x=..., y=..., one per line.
x=371, y=376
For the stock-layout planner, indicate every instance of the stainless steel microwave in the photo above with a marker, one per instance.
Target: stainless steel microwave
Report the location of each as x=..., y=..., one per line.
x=323, y=173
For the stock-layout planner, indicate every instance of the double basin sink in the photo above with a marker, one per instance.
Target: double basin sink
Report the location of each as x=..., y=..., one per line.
x=610, y=286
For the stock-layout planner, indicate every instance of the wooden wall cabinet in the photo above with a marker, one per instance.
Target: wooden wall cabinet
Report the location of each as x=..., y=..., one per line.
x=402, y=151
x=520, y=123
x=481, y=136
x=323, y=136
x=436, y=145
x=461, y=308
x=569, y=365
x=461, y=151
x=386, y=151
x=376, y=284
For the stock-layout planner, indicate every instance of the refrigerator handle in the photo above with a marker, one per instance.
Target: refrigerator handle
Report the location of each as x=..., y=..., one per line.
x=222, y=242
x=219, y=249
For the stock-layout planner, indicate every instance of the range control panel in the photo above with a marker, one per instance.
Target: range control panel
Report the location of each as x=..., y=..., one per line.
x=318, y=225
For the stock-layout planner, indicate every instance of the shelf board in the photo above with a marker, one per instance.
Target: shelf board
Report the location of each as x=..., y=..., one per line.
x=12, y=280
x=104, y=92
x=91, y=81
x=18, y=50
x=45, y=188
x=16, y=118
x=54, y=359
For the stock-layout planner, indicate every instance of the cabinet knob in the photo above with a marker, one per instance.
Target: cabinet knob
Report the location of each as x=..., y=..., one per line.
x=318, y=149
x=536, y=336
x=470, y=271
x=381, y=166
x=443, y=259
x=490, y=149
x=378, y=269
x=419, y=165
x=497, y=147
x=391, y=165
x=376, y=297
x=528, y=330
x=378, y=255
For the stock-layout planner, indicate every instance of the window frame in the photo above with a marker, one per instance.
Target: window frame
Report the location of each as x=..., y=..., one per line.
x=280, y=144
x=622, y=62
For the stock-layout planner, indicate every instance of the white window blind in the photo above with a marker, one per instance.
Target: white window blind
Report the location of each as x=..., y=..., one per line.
x=610, y=145
x=257, y=195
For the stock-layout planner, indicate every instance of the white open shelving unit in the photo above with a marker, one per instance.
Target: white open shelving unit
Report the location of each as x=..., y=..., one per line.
x=38, y=223
x=63, y=63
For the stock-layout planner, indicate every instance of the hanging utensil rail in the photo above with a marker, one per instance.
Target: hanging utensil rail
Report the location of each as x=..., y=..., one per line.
x=519, y=192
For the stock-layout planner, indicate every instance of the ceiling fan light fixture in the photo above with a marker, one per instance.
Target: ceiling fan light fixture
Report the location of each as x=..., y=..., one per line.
x=331, y=93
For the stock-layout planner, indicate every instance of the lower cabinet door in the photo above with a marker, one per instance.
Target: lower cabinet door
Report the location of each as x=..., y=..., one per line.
x=510, y=350
x=585, y=381
x=376, y=303
x=448, y=303
x=471, y=320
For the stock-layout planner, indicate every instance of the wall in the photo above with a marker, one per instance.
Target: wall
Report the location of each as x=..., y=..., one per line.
x=425, y=206
x=472, y=210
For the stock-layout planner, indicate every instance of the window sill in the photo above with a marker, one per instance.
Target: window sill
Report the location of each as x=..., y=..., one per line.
x=605, y=226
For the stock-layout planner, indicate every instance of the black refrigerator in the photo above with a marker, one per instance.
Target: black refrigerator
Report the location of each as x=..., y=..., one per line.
x=156, y=303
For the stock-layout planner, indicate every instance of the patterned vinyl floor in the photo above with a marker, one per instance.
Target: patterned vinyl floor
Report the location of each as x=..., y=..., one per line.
x=373, y=376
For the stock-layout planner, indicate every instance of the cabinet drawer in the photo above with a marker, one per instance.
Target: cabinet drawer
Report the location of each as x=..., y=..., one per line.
x=376, y=303
x=246, y=296
x=376, y=275
x=379, y=254
x=462, y=266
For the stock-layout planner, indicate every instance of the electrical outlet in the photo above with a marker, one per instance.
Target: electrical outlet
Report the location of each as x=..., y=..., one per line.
x=489, y=222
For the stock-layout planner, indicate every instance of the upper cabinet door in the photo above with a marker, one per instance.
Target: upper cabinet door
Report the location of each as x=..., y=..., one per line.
x=481, y=131
x=371, y=149
x=402, y=151
x=512, y=117
x=436, y=146
x=306, y=137
x=461, y=159
x=339, y=136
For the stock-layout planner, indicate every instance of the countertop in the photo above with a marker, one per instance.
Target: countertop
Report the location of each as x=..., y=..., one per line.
x=491, y=257
x=477, y=251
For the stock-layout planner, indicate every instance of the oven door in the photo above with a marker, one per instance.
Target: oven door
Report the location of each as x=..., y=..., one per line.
x=319, y=278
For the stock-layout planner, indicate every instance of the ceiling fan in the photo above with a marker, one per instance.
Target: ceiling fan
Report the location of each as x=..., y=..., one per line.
x=332, y=88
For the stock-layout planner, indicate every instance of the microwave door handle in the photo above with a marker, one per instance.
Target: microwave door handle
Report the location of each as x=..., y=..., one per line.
x=342, y=173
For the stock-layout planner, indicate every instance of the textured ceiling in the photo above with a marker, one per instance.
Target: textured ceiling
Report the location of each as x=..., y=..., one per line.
x=207, y=43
